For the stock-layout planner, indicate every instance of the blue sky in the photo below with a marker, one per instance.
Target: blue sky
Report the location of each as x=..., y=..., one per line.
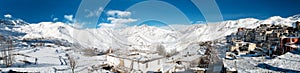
x=34, y=11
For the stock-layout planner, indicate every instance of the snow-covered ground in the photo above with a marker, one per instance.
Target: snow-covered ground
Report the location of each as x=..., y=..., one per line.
x=48, y=59
x=288, y=62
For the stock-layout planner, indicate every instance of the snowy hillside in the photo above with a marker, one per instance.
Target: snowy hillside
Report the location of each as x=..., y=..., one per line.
x=140, y=36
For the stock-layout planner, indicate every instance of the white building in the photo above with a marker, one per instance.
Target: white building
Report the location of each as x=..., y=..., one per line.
x=137, y=61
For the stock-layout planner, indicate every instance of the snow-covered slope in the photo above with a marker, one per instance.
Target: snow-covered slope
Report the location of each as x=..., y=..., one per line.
x=144, y=36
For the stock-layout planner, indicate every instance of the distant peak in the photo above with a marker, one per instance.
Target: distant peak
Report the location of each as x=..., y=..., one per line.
x=10, y=21
x=295, y=17
x=275, y=17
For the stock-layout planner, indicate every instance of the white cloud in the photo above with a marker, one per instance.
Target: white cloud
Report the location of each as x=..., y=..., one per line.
x=69, y=17
x=8, y=16
x=117, y=19
x=118, y=13
x=117, y=22
x=121, y=20
x=55, y=19
x=107, y=25
x=92, y=13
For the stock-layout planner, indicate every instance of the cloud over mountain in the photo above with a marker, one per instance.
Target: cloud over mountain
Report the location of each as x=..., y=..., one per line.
x=69, y=17
x=8, y=16
x=117, y=19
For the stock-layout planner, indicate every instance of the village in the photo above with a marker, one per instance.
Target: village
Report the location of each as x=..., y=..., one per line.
x=265, y=40
x=263, y=43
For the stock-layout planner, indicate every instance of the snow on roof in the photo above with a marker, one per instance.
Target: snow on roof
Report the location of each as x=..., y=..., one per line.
x=230, y=69
x=197, y=68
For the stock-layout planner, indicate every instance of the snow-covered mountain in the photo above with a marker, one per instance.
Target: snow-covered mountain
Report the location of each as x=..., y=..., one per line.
x=12, y=22
x=141, y=37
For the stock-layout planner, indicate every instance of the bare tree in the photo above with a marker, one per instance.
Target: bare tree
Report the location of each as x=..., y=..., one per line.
x=72, y=63
x=7, y=51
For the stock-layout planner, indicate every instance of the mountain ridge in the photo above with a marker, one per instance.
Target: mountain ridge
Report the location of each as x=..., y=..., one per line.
x=143, y=36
